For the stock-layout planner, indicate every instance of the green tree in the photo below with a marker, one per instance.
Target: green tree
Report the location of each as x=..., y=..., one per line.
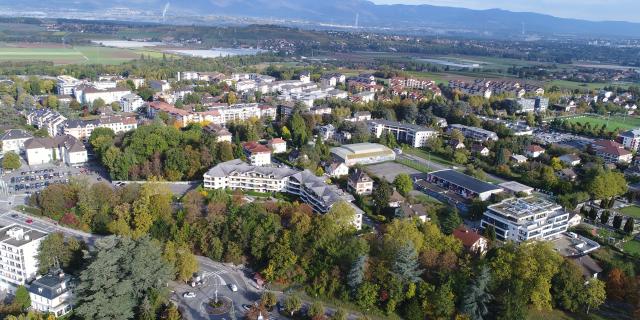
x=269, y=299
x=617, y=221
x=567, y=286
x=450, y=220
x=286, y=134
x=405, y=266
x=594, y=295
x=299, y=130
x=490, y=232
x=340, y=314
x=355, y=277
x=292, y=304
x=477, y=297
x=316, y=310
x=22, y=298
x=381, y=196
x=607, y=184
x=55, y=249
x=186, y=264
x=403, y=183
x=367, y=295
x=628, y=226
x=11, y=161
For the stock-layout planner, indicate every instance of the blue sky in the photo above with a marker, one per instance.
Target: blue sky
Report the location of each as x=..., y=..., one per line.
x=597, y=10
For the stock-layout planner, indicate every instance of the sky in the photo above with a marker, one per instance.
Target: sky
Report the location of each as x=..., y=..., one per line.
x=596, y=10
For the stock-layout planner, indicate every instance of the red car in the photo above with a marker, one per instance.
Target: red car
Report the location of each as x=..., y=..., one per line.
x=29, y=221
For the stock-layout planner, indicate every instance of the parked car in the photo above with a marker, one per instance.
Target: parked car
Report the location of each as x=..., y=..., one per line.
x=29, y=221
x=189, y=294
x=233, y=287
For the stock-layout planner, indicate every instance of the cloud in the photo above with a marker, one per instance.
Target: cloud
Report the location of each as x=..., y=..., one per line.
x=596, y=10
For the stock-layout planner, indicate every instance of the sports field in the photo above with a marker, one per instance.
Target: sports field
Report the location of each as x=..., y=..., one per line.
x=613, y=122
x=72, y=55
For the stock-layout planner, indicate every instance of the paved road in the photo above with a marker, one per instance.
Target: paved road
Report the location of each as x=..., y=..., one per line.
x=14, y=217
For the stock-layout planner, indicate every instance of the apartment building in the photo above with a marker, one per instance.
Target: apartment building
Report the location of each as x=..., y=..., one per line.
x=473, y=133
x=537, y=104
x=108, y=95
x=66, y=84
x=312, y=190
x=52, y=293
x=332, y=79
x=522, y=219
x=13, y=140
x=257, y=154
x=131, y=103
x=18, y=255
x=65, y=149
x=82, y=129
x=630, y=139
x=612, y=152
x=47, y=119
x=416, y=136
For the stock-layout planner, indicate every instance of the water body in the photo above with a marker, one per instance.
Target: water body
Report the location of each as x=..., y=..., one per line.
x=126, y=43
x=217, y=52
x=451, y=63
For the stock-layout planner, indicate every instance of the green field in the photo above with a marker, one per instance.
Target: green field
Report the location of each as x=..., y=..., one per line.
x=73, y=55
x=631, y=211
x=613, y=122
x=632, y=247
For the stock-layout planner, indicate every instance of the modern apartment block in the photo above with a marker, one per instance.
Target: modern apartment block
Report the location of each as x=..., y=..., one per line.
x=18, y=255
x=82, y=129
x=522, y=219
x=630, y=139
x=473, y=133
x=217, y=115
x=416, y=136
x=313, y=190
x=47, y=119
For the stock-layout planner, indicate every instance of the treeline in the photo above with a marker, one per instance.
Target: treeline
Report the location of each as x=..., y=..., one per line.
x=586, y=128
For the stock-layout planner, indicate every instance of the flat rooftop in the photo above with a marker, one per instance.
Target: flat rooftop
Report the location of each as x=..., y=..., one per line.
x=465, y=181
x=409, y=126
x=522, y=207
x=361, y=150
x=16, y=236
x=515, y=186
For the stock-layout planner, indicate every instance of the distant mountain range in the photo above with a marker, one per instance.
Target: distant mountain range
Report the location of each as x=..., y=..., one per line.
x=493, y=22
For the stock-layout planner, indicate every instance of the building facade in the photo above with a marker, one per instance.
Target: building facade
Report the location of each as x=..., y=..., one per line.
x=52, y=294
x=65, y=149
x=18, y=255
x=473, y=133
x=82, y=129
x=13, y=140
x=416, y=136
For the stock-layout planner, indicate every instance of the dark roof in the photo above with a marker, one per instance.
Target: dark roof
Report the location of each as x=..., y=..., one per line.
x=69, y=142
x=16, y=134
x=49, y=285
x=588, y=265
x=464, y=180
x=359, y=176
x=415, y=210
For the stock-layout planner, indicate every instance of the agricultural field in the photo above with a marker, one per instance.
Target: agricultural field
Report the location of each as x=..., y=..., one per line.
x=59, y=54
x=612, y=123
x=572, y=85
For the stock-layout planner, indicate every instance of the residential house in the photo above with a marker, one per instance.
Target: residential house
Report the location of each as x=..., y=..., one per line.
x=159, y=85
x=131, y=103
x=570, y=160
x=567, y=174
x=479, y=149
x=534, y=151
x=630, y=139
x=413, y=211
x=13, y=140
x=471, y=240
x=66, y=149
x=278, y=145
x=257, y=154
x=52, y=293
x=221, y=133
x=456, y=144
x=518, y=158
x=360, y=183
x=336, y=169
x=396, y=199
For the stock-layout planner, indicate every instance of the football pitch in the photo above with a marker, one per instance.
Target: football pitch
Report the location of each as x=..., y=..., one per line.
x=72, y=55
x=612, y=123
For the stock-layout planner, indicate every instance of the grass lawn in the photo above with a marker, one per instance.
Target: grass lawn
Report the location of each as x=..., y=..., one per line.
x=415, y=165
x=428, y=156
x=632, y=247
x=631, y=211
x=613, y=122
x=572, y=85
x=73, y=55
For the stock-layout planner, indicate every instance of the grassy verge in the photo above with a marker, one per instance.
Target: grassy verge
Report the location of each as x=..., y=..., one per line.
x=414, y=165
x=428, y=156
x=631, y=211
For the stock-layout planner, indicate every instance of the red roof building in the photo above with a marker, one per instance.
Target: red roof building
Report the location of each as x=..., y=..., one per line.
x=471, y=240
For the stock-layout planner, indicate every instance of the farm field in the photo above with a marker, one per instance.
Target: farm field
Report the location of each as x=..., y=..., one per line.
x=631, y=211
x=614, y=122
x=572, y=85
x=71, y=55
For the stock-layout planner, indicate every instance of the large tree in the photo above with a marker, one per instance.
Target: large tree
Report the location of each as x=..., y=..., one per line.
x=406, y=266
x=11, y=161
x=607, y=184
x=403, y=183
x=477, y=297
x=56, y=250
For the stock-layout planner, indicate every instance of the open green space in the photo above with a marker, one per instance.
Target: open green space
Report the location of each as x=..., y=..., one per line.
x=612, y=122
x=572, y=85
x=415, y=165
x=428, y=156
x=632, y=247
x=631, y=211
x=73, y=55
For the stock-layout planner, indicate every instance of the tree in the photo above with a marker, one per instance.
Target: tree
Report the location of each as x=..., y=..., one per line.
x=457, y=135
x=594, y=295
x=356, y=274
x=22, y=298
x=269, y=299
x=607, y=184
x=340, y=314
x=567, y=286
x=490, y=232
x=292, y=304
x=186, y=264
x=477, y=296
x=367, y=295
x=628, y=226
x=381, y=196
x=617, y=221
x=450, y=221
x=55, y=249
x=316, y=311
x=405, y=265
x=604, y=216
x=403, y=184
x=616, y=281
x=286, y=134
x=299, y=130
x=11, y=161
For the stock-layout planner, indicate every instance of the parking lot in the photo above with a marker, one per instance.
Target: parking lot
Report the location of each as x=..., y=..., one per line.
x=31, y=179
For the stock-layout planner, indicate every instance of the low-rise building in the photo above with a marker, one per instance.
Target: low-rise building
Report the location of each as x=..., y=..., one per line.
x=471, y=240
x=463, y=185
x=362, y=153
x=534, y=151
x=52, y=294
x=131, y=103
x=537, y=104
x=567, y=174
x=257, y=154
x=221, y=133
x=326, y=132
x=108, y=95
x=612, y=152
x=18, y=256
x=480, y=150
x=515, y=188
x=336, y=169
x=65, y=149
x=518, y=158
x=571, y=160
x=630, y=139
x=13, y=140
x=82, y=129
x=278, y=145
x=473, y=133
x=412, y=211
x=66, y=84
x=522, y=219
x=159, y=85
x=416, y=136
x=360, y=183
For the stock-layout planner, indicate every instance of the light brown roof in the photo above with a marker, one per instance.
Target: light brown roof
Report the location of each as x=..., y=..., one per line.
x=255, y=147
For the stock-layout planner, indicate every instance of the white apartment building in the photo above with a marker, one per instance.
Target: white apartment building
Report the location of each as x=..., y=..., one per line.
x=47, y=119
x=13, y=140
x=630, y=139
x=66, y=149
x=522, y=219
x=257, y=154
x=82, y=129
x=416, y=136
x=131, y=103
x=108, y=95
x=473, y=133
x=218, y=115
x=52, y=294
x=18, y=255
x=66, y=84
x=314, y=191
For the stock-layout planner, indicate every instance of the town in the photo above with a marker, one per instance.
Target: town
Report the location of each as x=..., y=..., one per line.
x=269, y=186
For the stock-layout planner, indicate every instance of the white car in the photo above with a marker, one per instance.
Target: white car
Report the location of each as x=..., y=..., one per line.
x=233, y=287
x=189, y=294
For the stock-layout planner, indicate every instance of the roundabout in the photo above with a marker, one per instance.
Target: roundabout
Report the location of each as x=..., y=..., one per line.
x=219, y=307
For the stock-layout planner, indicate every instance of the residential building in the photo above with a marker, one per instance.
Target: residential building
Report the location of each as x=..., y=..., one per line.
x=65, y=149
x=332, y=79
x=47, y=119
x=66, y=84
x=52, y=293
x=314, y=191
x=221, y=133
x=630, y=139
x=108, y=95
x=515, y=187
x=159, y=85
x=413, y=211
x=570, y=160
x=18, y=255
x=278, y=145
x=360, y=183
x=462, y=185
x=518, y=158
x=471, y=240
x=537, y=104
x=416, y=136
x=363, y=97
x=82, y=129
x=612, y=152
x=480, y=150
x=534, y=151
x=257, y=154
x=590, y=268
x=473, y=133
x=362, y=153
x=131, y=103
x=218, y=115
x=456, y=144
x=14, y=139
x=326, y=132
x=396, y=199
x=360, y=116
x=522, y=219
x=567, y=174
x=336, y=169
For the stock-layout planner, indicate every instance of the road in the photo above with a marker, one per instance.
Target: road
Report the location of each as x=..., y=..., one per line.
x=10, y=217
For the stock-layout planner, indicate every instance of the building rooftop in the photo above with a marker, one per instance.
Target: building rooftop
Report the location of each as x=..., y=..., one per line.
x=361, y=150
x=522, y=207
x=17, y=236
x=413, y=127
x=51, y=285
x=16, y=134
x=515, y=186
x=466, y=236
x=465, y=181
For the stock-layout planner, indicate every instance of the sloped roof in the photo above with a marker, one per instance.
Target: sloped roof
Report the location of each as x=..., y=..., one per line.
x=16, y=134
x=466, y=236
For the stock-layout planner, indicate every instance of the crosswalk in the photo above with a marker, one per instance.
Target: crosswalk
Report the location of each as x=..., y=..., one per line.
x=216, y=276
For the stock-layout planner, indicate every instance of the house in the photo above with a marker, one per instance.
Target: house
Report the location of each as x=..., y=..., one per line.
x=515, y=187
x=52, y=294
x=590, y=268
x=360, y=116
x=326, y=132
x=159, y=85
x=567, y=174
x=574, y=220
x=518, y=158
x=19, y=251
x=66, y=149
x=534, y=151
x=479, y=149
x=336, y=169
x=612, y=152
x=471, y=240
x=257, y=154
x=14, y=139
x=412, y=211
x=360, y=183
x=278, y=145
x=396, y=199
x=570, y=160
x=456, y=144
x=221, y=133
